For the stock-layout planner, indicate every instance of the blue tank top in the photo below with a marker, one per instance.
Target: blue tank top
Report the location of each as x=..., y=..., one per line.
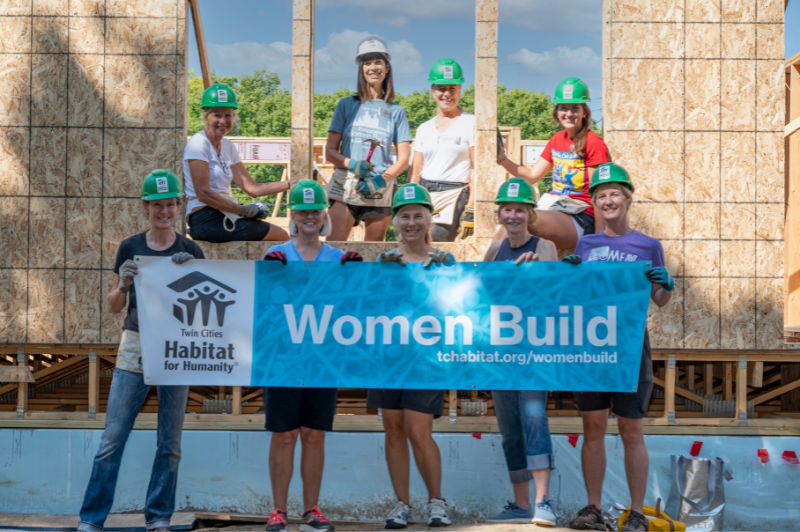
x=506, y=252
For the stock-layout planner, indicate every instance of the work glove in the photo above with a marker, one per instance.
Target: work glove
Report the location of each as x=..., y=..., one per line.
x=360, y=168
x=351, y=256
x=254, y=210
x=127, y=272
x=501, y=149
x=467, y=222
x=661, y=276
x=276, y=255
x=370, y=185
x=181, y=257
x=392, y=256
x=439, y=256
x=572, y=259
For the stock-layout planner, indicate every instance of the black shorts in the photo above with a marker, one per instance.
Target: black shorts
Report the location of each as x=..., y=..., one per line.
x=289, y=409
x=205, y=225
x=363, y=212
x=423, y=401
x=585, y=221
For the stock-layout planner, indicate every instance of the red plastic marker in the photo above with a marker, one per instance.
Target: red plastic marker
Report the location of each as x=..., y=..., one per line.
x=696, y=446
x=791, y=457
x=573, y=439
x=476, y=435
x=763, y=455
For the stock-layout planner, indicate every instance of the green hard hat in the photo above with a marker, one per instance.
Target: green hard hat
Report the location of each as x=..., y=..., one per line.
x=572, y=90
x=516, y=190
x=219, y=95
x=161, y=184
x=308, y=195
x=610, y=173
x=411, y=194
x=446, y=72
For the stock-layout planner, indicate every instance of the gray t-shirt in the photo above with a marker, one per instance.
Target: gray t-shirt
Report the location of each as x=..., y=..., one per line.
x=374, y=119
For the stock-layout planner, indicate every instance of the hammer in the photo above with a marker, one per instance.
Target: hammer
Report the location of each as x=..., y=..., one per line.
x=372, y=145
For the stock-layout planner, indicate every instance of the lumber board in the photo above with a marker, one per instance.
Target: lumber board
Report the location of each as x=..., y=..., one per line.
x=202, y=51
x=776, y=392
x=679, y=391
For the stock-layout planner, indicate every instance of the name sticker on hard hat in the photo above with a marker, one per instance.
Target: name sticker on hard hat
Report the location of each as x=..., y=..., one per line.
x=308, y=195
x=162, y=185
x=222, y=96
x=513, y=190
x=447, y=72
x=408, y=193
x=568, y=91
x=605, y=173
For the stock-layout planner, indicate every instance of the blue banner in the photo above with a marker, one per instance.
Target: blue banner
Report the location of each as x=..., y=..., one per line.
x=488, y=326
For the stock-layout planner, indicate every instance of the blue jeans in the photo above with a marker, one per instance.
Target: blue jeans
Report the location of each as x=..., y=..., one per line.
x=128, y=392
x=522, y=421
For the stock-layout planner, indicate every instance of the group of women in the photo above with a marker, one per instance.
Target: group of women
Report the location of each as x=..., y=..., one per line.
x=587, y=209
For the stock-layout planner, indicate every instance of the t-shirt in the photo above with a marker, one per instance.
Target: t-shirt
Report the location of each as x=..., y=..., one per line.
x=631, y=247
x=506, y=252
x=446, y=154
x=326, y=254
x=219, y=166
x=570, y=172
x=137, y=245
x=374, y=119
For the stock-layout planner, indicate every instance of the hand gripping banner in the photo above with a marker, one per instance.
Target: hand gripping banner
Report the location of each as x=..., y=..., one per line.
x=490, y=326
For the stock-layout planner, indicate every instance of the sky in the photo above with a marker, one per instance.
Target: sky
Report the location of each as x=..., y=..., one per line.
x=538, y=46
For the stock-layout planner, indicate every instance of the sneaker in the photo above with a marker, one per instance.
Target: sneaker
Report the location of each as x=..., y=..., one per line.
x=514, y=514
x=400, y=516
x=277, y=522
x=314, y=520
x=545, y=515
x=438, y=512
x=589, y=518
x=635, y=521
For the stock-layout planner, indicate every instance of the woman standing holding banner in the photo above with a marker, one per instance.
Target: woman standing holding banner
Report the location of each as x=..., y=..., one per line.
x=304, y=412
x=521, y=415
x=408, y=414
x=444, y=155
x=161, y=194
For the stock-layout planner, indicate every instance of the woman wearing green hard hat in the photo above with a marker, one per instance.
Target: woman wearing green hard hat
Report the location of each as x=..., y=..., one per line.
x=161, y=201
x=612, y=194
x=566, y=213
x=521, y=415
x=210, y=163
x=306, y=413
x=408, y=414
x=444, y=155
x=364, y=126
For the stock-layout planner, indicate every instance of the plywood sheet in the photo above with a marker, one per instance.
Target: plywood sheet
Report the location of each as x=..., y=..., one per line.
x=648, y=40
x=659, y=220
x=45, y=306
x=85, y=95
x=227, y=251
x=665, y=324
x=141, y=8
x=771, y=104
x=738, y=41
x=47, y=228
x=703, y=94
x=83, y=297
x=122, y=218
x=769, y=259
x=49, y=90
x=770, y=160
x=770, y=41
x=15, y=35
x=14, y=154
x=674, y=256
x=140, y=91
x=702, y=221
x=647, y=11
x=702, y=41
x=702, y=314
x=140, y=35
x=738, y=166
x=702, y=258
x=703, y=10
x=739, y=221
x=654, y=160
x=738, y=95
x=738, y=299
x=769, y=316
x=83, y=232
x=769, y=221
x=50, y=35
x=737, y=258
x=770, y=11
x=110, y=323
x=702, y=167
x=87, y=8
x=16, y=7
x=738, y=10
x=48, y=161
x=50, y=7
x=84, y=162
x=14, y=236
x=131, y=154
x=13, y=302
x=15, y=98
x=637, y=91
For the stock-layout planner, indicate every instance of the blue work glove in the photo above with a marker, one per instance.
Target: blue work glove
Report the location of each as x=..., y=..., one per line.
x=661, y=276
x=360, y=168
x=371, y=185
x=572, y=259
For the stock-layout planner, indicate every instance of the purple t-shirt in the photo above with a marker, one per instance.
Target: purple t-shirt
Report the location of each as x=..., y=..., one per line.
x=634, y=246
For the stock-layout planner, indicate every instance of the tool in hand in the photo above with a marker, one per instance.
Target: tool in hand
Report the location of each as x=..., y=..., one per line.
x=377, y=181
x=372, y=145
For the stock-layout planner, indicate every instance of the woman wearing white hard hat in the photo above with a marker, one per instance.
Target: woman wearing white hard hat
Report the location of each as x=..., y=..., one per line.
x=368, y=122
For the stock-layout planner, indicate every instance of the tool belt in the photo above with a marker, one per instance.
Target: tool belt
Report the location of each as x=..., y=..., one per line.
x=445, y=196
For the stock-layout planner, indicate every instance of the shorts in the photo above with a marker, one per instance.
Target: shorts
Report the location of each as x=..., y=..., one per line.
x=205, y=225
x=584, y=223
x=289, y=409
x=448, y=232
x=362, y=212
x=423, y=401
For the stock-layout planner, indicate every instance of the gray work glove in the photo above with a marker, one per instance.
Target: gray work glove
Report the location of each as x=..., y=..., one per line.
x=127, y=272
x=392, y=256
x=439, y=256
x=254, y=210
x=501, y=149
x=181, y=257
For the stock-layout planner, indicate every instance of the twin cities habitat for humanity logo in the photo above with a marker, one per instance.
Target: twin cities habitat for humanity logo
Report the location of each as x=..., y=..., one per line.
x=200, y=288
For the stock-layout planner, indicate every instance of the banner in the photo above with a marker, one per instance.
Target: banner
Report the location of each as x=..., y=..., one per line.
x=488, y=326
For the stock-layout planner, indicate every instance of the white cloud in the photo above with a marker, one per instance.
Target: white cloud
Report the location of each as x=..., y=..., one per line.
x=559, y=62
x=336, y=61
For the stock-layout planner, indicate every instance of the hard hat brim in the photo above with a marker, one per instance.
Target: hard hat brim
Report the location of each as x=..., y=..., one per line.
x=233, y=105
x=309, y=207
x=571, y=100
x=457, y=81
x=163, y=195
x=386, y=55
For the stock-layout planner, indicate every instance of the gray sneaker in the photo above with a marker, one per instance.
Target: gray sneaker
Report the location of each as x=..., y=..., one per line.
x=512, y=513
x=545, y=515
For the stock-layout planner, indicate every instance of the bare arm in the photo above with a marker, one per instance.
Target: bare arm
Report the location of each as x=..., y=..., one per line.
x=403, y=154
x=200, y=177
x=660, y=296
x=532, y=175
x=245, y=181
x=416, y=168
x=116, y=299
x=491, y=253
x=546, y=250
x=332, y=154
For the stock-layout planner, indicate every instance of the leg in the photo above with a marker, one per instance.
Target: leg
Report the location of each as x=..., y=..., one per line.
x=276, y=234
x=397, y=457
x=160, y=502
x=557, y=227
x=281, y=465
x=538, y=445
x=312, y=463
x=593, y=453
x=419, y=430
x=636, y=460
x=341, y=222
x=125, y=399
x=509, y=421
x=375, y=230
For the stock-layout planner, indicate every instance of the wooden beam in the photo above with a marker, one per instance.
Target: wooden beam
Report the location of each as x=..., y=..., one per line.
x=741, y=392
x=94, y=386
x=690, y=376
x=302, y=156
x=708, y=379
x=22, y=387
x=776, y=392
x=201, y=42
x=679, y=391
x=669, y=392
x=236, y=406
x=727, y=381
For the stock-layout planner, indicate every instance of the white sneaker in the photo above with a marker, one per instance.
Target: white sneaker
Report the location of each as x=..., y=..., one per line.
x=438, y=513
x=400, y=516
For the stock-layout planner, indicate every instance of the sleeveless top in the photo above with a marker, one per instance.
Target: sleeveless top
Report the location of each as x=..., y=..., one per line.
x=506, y=252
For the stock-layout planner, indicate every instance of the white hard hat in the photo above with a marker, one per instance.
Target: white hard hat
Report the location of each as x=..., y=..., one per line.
x=372, y=45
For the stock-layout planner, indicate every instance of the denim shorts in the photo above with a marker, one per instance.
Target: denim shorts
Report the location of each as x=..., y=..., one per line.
x=423, y=401
x=205, y=225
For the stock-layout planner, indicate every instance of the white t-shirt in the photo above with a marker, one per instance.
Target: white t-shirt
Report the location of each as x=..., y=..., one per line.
x=446, y=154
x=219, y=165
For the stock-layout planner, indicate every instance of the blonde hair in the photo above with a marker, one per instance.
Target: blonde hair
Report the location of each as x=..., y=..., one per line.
x=428, y=218
x=236, y=121
x=625, y=190
x=324, y=231
x=532, y=216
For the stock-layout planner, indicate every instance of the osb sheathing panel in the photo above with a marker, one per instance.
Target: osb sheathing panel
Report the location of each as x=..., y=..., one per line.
x=46, y=306
x=702, y=94
x=85, y=162
x=15, y=35
x=13, y=303
x=702, y=166
x=14, y=152
x=48, y=161
x=15, y=98
x=110, y=323
x=82, y=302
